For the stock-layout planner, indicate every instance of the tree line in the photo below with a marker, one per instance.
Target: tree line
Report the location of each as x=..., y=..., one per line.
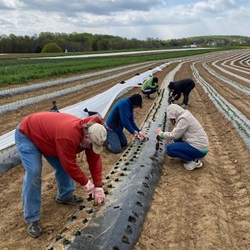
x=84, y=42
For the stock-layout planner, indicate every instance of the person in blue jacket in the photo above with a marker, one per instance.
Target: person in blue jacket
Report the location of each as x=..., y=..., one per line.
x=122, y=116
x=177, y=88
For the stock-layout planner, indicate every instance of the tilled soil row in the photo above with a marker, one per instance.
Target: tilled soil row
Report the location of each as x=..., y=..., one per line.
x=203, y=209
x=234, y=96
x=208, y=208
x=233, y=78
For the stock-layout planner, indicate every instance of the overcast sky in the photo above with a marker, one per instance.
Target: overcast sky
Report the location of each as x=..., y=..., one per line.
x=140, y=19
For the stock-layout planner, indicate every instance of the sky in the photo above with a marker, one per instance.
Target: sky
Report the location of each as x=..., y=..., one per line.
x=139, y=19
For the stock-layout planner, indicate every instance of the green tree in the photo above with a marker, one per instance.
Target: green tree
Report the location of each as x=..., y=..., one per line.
x=51, y=48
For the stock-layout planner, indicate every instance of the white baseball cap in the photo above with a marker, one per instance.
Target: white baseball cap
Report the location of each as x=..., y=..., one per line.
x=98, y=135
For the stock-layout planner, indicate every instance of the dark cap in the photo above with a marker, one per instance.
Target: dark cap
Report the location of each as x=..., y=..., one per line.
x=171, y=85
x=136, y=100
x=155, y=80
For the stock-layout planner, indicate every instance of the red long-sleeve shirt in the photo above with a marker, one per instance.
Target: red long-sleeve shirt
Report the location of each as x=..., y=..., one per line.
x=59, y=135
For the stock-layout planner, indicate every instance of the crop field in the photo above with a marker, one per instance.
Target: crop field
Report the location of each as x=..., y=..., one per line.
x=20, y=69
x=208, y=208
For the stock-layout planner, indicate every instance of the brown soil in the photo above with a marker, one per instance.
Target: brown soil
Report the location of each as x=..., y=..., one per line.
x=208, y=208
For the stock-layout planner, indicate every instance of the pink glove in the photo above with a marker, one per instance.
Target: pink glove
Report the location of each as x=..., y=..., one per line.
x=142, y=135
x=99, y=196
x=89, y=188
x=158, y=131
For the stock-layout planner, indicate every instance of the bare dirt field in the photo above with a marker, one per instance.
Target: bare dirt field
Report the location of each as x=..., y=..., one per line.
x=208, y=208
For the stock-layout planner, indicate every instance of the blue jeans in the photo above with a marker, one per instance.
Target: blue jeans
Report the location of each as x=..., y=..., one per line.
x=115, y=141
x=31, y=158
x=184, y=151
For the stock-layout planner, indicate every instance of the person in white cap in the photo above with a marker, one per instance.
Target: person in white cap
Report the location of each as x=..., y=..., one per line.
x=59, y=137
x=190, y=141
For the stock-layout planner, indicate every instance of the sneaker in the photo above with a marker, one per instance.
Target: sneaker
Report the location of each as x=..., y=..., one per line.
x=191, y=165
x=183, y=105
x=34, y=229
x=73, y=200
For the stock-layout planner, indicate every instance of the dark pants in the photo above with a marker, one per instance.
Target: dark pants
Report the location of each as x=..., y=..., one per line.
x=149, y=91
x=186, y=94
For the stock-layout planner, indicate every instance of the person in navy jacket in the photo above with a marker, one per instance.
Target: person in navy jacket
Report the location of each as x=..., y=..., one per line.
x=184, y=87
x=122, y=116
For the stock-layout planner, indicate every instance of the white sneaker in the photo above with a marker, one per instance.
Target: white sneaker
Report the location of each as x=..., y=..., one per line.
x=191, y=165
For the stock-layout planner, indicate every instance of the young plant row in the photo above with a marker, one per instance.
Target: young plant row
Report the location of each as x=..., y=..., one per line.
x=23, y=70
x=62, y=80
x=22, y=103
x=239, y=121
x=234, y=84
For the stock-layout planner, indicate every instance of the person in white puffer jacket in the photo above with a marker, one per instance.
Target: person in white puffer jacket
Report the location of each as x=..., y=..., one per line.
x=190, y=141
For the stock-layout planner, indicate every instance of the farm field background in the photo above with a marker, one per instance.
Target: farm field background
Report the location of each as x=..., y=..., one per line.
x=208, y=208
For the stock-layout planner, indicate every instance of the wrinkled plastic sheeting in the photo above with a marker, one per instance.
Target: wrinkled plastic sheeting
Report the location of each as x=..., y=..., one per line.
x=23, y=103
x=9, y=158
x=117, y=225
x=100, y=103
x=8, y=153
x=7, y=140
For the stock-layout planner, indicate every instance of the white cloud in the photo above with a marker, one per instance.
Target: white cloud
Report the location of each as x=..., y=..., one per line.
x=215, y=6
x=139, y=19
x=10, y=4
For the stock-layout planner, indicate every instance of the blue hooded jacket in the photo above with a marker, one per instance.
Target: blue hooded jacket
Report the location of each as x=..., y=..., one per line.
x=122, y=116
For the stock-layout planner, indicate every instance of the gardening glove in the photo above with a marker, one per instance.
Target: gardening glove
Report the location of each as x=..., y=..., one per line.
x=142, y=135
x=99, y=196
x=89, y=188
x=160, y=133
x=136, y=134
